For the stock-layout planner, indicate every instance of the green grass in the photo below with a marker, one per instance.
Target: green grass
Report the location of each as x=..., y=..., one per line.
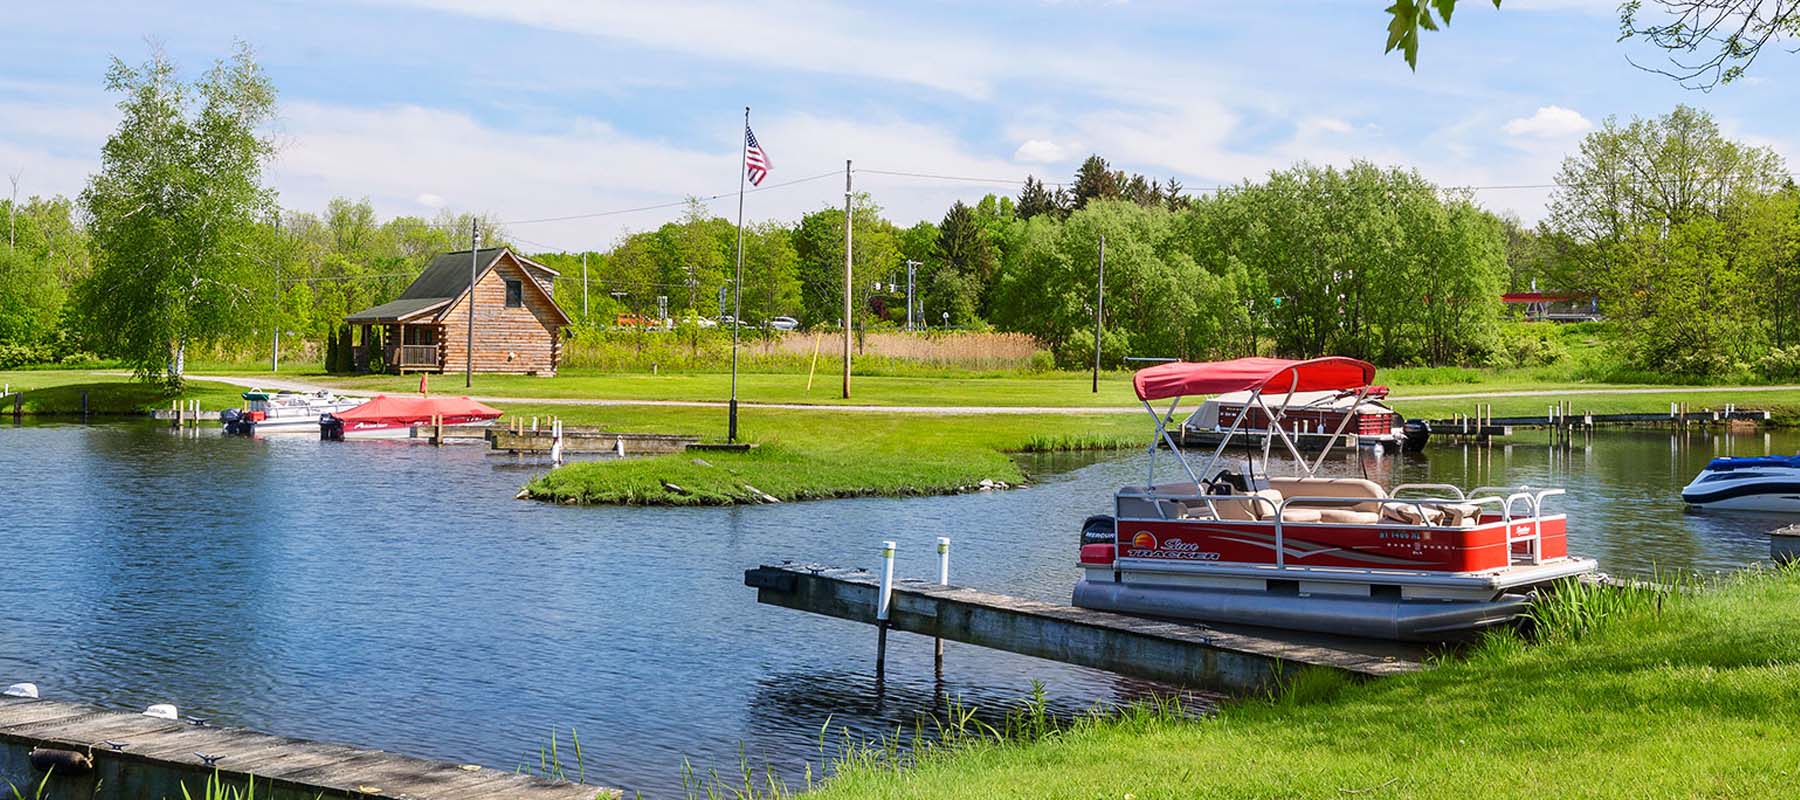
x=1692, y=695
x=804, y=454
x=58, y=392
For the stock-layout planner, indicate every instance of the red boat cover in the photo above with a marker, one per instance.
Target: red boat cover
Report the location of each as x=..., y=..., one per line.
x=1239, y=374
x=384, y=408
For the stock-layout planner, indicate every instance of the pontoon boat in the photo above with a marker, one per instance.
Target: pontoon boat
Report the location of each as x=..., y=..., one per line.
x=283, y=412
x=1311, y=419
x=1336, y=555
x=395, y=417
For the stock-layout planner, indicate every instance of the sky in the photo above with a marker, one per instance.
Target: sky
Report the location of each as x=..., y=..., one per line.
x=532, y=109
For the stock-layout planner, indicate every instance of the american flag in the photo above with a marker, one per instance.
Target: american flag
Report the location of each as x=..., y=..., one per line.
x=756, y=162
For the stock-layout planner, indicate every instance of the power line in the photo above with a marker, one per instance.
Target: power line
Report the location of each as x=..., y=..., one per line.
x=671, y=204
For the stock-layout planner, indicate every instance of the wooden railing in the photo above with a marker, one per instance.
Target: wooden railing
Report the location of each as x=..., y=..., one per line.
x=418, y=355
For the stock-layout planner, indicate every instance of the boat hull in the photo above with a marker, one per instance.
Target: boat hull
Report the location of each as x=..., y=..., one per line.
x=1372, y=617
x=1776, y=497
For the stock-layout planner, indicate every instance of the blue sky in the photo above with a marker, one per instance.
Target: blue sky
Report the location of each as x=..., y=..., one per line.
x=533, y=108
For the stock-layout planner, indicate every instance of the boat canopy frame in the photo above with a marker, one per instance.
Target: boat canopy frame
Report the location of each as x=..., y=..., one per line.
x=1175, y=380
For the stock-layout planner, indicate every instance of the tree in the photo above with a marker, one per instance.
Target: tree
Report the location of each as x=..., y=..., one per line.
x=964, y=264
x=176, y=202
x=1034, y=199
x=1095, y=180
x=1708, y=42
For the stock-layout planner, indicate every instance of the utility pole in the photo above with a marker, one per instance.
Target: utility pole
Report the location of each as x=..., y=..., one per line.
x=474, y=255
x=584, y=299
x=847, y=289
x=912, y=270
x=1099, y=311
x=275, y=347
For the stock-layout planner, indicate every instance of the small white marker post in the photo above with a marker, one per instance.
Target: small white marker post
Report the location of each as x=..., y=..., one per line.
x=943, y=545
x=881, y=608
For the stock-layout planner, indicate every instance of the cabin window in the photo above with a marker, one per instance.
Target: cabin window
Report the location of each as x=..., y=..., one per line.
x=515, y=294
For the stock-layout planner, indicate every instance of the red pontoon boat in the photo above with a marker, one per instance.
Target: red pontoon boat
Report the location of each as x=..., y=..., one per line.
x=1337, y=555
x=395, y=417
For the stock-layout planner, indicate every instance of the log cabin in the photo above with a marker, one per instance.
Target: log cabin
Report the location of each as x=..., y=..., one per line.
x=518, y=325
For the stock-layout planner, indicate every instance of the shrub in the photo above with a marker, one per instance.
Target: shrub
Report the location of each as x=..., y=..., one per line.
x=1527, y=344
x=1780, y=364
x=20, y=355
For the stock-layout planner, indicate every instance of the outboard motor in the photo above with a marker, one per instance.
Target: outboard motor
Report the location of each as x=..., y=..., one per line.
x=331, y=429
x=1099, y=529
x=237, y=422
x=1416, y=432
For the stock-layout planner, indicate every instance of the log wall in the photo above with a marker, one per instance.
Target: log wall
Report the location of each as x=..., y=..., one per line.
x=523, y=340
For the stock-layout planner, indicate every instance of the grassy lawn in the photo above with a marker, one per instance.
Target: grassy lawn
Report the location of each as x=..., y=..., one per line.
x=1700, y=699
x=58, y=392
x=818, y=454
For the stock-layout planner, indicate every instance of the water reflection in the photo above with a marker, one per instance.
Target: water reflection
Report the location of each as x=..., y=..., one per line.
x=394, y=595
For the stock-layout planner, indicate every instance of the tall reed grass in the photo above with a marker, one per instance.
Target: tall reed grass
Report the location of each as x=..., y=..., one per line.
x=697, y=350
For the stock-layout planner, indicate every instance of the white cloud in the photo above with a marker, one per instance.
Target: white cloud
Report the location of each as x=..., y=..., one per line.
x=800, y=35
x=429, y=200
x=1038, y=151
x=1550, y=122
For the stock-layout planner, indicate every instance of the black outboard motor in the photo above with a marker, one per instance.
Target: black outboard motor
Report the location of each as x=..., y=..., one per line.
x=237, y=422
x=1099, y=529
x=1417, y=433
x=331, y=429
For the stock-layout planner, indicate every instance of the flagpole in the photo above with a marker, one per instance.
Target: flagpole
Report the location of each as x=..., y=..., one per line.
x=737, y=285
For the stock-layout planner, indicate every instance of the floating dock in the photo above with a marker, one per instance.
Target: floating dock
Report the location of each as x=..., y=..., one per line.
x=1185, y=654
x=134, y=755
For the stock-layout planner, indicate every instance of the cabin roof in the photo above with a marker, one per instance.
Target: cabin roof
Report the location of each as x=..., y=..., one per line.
x=447, y=276
x=402, y=310
x=444, y=281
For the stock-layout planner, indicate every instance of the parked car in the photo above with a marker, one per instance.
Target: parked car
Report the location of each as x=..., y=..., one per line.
x=784, y=323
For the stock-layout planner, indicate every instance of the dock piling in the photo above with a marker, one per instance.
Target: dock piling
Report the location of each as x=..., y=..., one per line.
x=883, y=604
x=937, y=644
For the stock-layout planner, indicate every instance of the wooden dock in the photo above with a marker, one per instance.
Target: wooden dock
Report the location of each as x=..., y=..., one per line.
x=590, y=440
x=135, y=756
x=1212, y=657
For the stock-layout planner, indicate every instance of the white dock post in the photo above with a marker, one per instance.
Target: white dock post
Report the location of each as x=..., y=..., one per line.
x=943, y=580
x=556, y=446
x=881, y=608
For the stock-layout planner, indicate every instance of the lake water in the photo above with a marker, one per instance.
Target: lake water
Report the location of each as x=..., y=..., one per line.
x=394, y=595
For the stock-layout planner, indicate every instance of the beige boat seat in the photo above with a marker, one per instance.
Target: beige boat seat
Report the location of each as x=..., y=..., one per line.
x=1459, y=515
x=1363, y=513
x=1247, y=508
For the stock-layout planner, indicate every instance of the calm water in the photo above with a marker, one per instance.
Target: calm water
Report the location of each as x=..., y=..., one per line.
x=393, y=595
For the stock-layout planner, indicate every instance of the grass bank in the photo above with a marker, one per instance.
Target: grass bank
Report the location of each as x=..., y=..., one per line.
x=806, y=455
x=1694, y=696
x=58, y=393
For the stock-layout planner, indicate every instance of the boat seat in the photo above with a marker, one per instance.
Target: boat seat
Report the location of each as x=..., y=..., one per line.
x=1235, y=506
x=1347, y=516
x=1363, y=513
x=1461, y=515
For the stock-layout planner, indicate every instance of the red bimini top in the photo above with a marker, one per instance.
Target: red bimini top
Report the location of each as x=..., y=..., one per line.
x=421, y=409
x=1240, y=374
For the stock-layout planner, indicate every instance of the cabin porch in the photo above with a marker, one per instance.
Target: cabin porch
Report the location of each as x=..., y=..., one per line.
x=403, y=347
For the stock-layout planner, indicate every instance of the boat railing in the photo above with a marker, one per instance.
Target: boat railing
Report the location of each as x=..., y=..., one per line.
x=1429, y=487
x=1533, y=500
